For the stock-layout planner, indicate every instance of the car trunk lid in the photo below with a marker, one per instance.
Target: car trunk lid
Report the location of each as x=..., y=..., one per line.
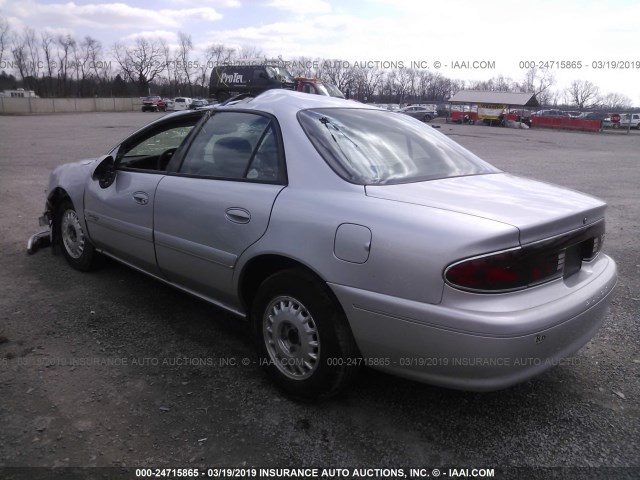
x=538, y=210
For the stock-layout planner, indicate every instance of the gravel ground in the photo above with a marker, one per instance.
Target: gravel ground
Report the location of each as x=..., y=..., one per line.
x=113, y=369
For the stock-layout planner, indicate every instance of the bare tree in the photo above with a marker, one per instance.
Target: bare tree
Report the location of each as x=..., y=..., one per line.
x=142, y=62
x=503, y=84
x=425, y=80
x=169, y=66
x=215, y=55
x=615, y=101
x=5, y=32
x=184, y=61
x=539, y=82
x=67, y=44
x=368, y=81
x=250, y=52
x=337, y=72
x=401, y=83
x=444, y=87
x=33, y=53
x=583, y=93
x=305, y=67
x=97, y=66
x=78, y=65
x=47, y=44
x=413, y=82
x=20, y=56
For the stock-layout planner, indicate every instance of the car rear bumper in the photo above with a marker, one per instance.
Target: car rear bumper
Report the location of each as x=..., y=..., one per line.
x=470, y=347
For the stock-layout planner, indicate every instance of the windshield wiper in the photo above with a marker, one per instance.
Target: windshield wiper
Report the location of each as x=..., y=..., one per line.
x=374, y=169
x=326, y=122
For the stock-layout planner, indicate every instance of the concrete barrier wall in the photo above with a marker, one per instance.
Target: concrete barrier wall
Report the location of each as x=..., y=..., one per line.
x=25, y=106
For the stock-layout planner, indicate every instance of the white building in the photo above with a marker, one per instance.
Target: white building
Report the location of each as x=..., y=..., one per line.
x=19, y=93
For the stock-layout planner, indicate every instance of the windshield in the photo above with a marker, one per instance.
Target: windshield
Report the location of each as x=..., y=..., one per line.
x=283, y=74
x=373, y=147
x=329, y=90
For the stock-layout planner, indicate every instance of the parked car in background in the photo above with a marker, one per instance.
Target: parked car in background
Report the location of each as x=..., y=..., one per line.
x=573, y=113
x=374, y=241
x=198, y=103
x=182, y=103
x=549, y=113
x=153, y=103
x=630, y=120
x=593, y=115
x=421, y=113
x=230, y=80
x=604, y=117
x=170, y=104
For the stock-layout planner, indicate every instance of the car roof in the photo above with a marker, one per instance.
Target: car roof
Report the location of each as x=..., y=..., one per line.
x=281, y=102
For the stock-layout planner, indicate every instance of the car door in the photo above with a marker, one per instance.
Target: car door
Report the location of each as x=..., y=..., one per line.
x=119, y=216
x=219, y=201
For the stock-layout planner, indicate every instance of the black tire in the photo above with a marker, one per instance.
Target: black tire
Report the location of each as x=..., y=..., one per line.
x=75, y=246
x=427, y=118
x=305, y=343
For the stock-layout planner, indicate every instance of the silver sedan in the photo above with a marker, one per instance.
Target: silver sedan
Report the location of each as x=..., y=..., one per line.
x=419, y=112
x=347, y=236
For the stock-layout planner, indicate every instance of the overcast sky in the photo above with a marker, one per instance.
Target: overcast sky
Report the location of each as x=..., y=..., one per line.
x=504, y=32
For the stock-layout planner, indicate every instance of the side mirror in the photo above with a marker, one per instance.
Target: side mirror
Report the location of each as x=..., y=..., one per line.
x=105, y=172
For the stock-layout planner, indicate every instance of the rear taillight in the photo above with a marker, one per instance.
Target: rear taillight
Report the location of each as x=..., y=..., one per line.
x=505, y=271
x=527, y=266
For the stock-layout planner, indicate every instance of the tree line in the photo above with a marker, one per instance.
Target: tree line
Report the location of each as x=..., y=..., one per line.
x=63, y=66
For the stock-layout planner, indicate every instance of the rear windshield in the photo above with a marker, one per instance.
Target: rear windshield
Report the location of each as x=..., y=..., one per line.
x=375, y=147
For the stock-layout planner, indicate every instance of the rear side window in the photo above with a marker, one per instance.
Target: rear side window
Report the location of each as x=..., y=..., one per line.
x=236, y=146
x=375, y=147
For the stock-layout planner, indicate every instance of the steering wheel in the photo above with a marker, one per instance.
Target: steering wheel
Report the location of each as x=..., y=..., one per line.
x=164, y=158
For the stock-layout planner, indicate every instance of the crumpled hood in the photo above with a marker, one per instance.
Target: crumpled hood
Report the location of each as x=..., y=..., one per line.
x=538, y=210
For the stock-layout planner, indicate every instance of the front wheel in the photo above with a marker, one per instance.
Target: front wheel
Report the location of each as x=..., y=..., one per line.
x=303, y=338
x=76, y=247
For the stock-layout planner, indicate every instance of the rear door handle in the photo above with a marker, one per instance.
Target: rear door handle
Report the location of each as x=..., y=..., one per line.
x=141, y=197
x=238, y=215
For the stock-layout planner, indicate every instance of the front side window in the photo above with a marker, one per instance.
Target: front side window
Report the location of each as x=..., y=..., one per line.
x=236, y=146
x=376, y=147
x=153, y=150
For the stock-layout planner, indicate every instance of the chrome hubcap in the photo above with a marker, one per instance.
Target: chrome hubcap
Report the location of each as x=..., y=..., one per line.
x=291, y=338
x=72, y=234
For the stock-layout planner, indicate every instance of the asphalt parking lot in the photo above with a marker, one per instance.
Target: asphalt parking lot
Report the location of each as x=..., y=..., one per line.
x=113, y=369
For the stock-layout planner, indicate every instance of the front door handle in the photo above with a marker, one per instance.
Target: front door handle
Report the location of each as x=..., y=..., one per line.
x=141, y=197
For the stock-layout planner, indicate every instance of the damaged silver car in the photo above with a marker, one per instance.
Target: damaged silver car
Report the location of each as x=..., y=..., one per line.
x=348, y=236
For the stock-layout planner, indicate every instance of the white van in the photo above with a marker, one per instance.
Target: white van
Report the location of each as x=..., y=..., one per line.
x=182, y=103
x=630, y=118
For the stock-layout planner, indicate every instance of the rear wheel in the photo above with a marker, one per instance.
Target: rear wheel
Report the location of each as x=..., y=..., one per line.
x=303, y=338
x=76, y=247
